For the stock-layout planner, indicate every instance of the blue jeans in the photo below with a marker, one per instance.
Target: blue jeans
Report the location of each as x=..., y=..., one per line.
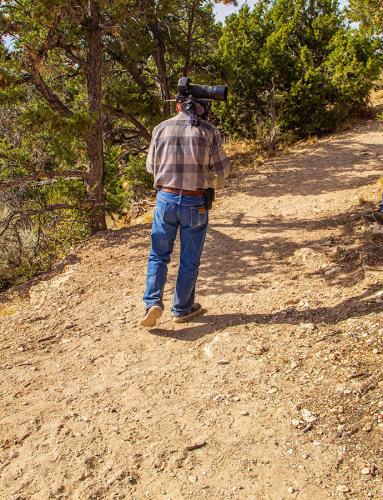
x=187, y=213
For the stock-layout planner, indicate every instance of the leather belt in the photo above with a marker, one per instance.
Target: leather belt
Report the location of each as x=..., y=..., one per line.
x=185, y=192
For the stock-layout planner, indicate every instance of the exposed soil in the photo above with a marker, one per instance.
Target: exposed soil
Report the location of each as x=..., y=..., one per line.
x=276, y=392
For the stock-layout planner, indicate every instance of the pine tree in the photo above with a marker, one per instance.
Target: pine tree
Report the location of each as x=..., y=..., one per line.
x=54, y=42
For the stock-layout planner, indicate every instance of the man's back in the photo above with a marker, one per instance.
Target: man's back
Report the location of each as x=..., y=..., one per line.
x=184, y=156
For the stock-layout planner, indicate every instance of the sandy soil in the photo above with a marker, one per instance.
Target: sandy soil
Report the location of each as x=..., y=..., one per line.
x=275, y=393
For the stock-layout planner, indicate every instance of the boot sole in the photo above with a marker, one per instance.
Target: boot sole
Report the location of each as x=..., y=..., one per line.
x=152, y=316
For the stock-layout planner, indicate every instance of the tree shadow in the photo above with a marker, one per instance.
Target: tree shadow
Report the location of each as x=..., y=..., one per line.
x=339, y=164
x=354, y=307
x=243, y=262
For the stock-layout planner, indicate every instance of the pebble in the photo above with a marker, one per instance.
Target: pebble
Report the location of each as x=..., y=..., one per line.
x=256, y=351
x=295, y=422
x=273, y=390
x=367, y=427
x=308, y=326
x=316, y=443
x=291, y=490
x=223, y=362
x=307, y=416
x=68, y=326
x=244, y=413
x=192, y=479
x=342, y=488
x=366, y=471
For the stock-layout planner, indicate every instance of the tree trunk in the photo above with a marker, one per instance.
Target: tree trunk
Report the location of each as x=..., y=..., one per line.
x=189, y=40
x=94, y=141
x=273, y=116
x=159, y=57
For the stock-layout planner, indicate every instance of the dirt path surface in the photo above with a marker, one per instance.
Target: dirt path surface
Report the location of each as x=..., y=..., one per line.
x=275, y=393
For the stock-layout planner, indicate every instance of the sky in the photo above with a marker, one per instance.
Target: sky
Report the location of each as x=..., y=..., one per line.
x=224, y=10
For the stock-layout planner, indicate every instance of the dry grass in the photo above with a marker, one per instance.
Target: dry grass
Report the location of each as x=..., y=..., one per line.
x=377, y=97
x=7, y=310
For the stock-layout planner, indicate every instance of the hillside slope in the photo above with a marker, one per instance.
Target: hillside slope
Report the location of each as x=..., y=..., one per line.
x=274, y=393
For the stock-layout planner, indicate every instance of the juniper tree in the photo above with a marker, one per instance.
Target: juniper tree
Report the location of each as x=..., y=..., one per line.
x=369, y=13
x=297, y=60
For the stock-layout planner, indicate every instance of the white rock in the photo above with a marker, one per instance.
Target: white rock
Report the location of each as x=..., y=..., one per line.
x=307, y=416
x=365, y=471
x=308, y=326
x=342, y=488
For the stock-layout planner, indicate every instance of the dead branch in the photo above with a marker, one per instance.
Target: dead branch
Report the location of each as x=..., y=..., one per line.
x=122, y=114
x=40, y=176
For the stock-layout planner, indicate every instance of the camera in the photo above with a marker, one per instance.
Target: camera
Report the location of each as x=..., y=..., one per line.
x=201, y=93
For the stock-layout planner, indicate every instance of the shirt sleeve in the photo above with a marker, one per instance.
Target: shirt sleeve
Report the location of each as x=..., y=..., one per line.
x=219, y=162
x=150, y=159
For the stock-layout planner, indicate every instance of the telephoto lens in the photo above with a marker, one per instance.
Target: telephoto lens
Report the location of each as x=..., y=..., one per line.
x=212, y=92
x=207, y=92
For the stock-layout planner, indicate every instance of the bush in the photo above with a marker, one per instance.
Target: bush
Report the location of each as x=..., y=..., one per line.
x=32, y=241
x=294, y=67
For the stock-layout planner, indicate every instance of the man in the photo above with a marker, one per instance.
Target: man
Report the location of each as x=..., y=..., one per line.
x=184, y=154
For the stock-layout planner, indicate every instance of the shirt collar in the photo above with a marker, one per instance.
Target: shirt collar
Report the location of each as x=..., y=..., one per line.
x=182, y=116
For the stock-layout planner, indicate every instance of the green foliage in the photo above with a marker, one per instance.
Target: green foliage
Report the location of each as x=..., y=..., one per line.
x=367, y=12
x=136, y=175
x=299, y=58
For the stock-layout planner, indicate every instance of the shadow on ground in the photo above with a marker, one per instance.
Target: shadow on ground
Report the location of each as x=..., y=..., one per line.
x=353, y=307
x=342, y=163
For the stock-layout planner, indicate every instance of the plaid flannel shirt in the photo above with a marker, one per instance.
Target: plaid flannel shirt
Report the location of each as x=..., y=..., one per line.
x=186, y=157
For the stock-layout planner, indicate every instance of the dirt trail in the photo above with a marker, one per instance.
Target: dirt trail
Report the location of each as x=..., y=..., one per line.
x=275, y=393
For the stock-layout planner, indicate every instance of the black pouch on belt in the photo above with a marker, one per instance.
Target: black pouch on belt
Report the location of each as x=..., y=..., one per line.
x=209, y=198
